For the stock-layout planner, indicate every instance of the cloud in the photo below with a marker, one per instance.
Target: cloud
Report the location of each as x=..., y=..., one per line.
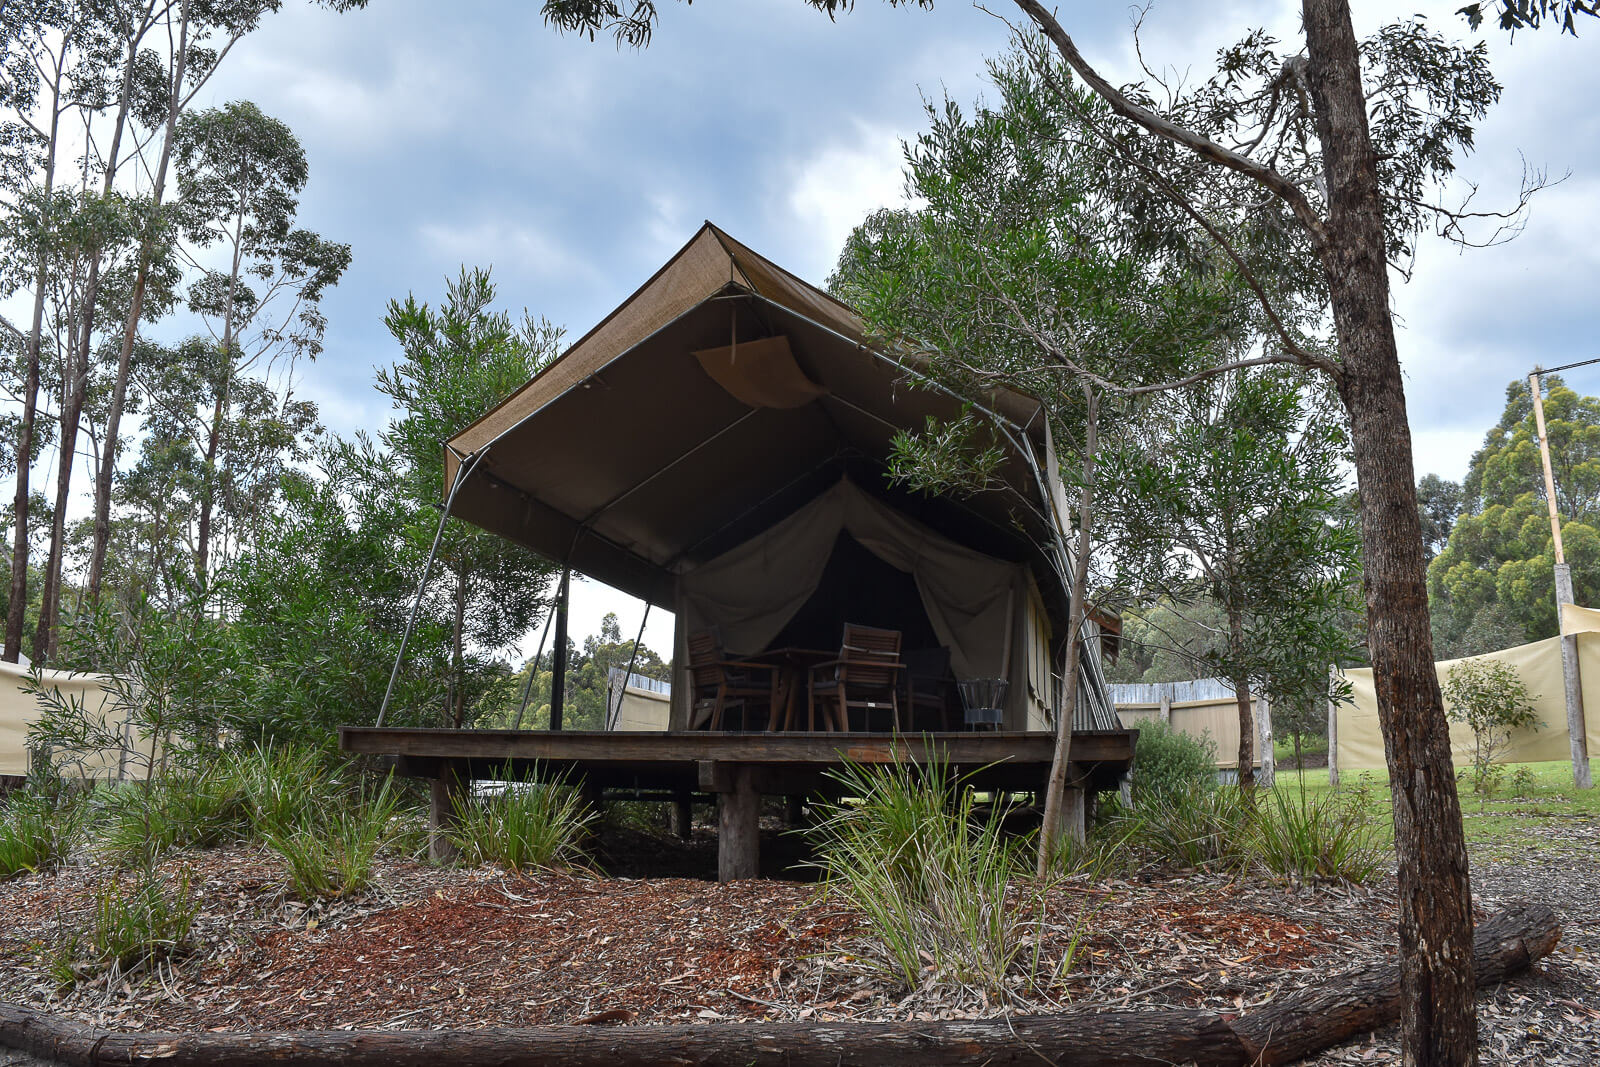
x=512, y=247
x=837, y=187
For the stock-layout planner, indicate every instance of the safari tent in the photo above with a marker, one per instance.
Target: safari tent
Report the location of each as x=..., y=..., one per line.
x=718, y=446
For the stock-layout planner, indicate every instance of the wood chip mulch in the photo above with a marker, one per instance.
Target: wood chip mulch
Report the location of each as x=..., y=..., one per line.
x=440, y=947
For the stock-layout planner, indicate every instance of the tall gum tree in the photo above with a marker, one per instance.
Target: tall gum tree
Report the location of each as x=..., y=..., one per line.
x=1335, y=202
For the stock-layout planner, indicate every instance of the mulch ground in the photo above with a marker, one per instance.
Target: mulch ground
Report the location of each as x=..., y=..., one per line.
x=432, y=947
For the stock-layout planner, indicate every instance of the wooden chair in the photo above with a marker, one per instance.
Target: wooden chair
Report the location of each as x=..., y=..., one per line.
x=866, y=675
x=722, y=684
x=928, y=687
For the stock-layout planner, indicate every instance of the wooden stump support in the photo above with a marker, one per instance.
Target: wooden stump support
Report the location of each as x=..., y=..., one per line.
x=1279, y=1032
x=445, y=795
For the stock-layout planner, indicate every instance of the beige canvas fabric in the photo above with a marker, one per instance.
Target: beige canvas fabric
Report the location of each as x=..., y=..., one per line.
x=978, y=606
x=643, y=709
x=19, y=710
x=1360, y=744
x=760, y=373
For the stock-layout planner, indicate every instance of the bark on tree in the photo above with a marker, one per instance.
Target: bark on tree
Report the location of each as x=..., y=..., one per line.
x=1054, y=825
x=17, y=606
x=1438, y=1023
x=1439, y=1026
x=130, y=326
x=1241, y=695
x=1281, y=1032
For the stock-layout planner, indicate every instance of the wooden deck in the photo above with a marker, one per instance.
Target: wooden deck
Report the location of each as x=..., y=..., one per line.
x=738, y=768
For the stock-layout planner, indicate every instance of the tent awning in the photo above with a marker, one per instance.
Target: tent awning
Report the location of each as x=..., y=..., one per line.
x=718, y=398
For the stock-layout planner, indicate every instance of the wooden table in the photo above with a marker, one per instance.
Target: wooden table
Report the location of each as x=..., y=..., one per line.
x=792, y=665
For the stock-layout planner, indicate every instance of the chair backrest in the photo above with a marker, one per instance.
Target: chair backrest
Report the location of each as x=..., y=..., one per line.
x=864, y=651
x=705, y=658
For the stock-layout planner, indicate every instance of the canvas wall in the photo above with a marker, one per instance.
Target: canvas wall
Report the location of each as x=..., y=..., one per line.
x=1360, y=742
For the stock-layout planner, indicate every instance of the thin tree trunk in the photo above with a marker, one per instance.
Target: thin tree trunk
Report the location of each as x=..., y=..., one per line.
x=130, y=328
x=1061, y=760
x=1241, y=694
x=1439, y=1026
x=202, y=548
x=17, y=606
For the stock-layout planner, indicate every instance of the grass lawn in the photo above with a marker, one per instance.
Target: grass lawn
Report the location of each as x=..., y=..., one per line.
x=1494, y=822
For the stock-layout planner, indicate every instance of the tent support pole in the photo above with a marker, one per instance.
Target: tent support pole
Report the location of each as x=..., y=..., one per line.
x=427, y=570
x=558, y=678
x=633, y=658
x=533, y=672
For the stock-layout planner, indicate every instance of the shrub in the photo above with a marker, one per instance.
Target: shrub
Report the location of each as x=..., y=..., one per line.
x=913, y=856
x=330, y=853
x=1195, y=825
x=1490, y=697
x=37, y=832
x=140, y=920
x=526, y=825
x=1167, y=761
x=285, y=786
x=144, y=821
x=1331, y=837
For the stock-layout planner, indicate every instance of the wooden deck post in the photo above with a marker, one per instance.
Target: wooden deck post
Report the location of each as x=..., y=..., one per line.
x=738, y=827
x=445, y=794
x=682, y=817
x=1073, y=808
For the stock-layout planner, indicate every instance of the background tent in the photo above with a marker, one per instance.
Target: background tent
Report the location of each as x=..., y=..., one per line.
x=1359, y=741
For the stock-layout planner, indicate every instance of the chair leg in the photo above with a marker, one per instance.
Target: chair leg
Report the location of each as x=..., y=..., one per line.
x=772, y=705
x=716, y=710
x=844, y=710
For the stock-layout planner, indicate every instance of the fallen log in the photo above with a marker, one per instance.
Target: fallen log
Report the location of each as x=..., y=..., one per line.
x=1276, y=1033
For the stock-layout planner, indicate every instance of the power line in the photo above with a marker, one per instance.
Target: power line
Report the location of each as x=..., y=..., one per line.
x=1568, y=366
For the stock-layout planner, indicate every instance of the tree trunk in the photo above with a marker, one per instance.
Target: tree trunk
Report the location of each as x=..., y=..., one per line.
x=1241, y=695
x=130, y=326
x=1054, y=808
x=1439, y=1026
x=74, y=387
x=208, y=497
x=1280, y=1032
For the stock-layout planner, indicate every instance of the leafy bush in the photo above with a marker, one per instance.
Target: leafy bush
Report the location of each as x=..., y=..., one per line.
x=912, y=854
x=330, y=853
x=1490, y=697
x=1330, y=837
x=1194, y=825
x=1167, y=761
x=37, y=832
x=526, y=825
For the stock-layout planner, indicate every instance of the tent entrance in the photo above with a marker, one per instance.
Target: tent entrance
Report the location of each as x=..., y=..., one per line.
x=859, y=587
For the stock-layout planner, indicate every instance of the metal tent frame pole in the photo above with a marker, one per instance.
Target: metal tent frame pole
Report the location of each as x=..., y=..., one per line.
x=533, y=672
x=633, y=657
x=427, y=571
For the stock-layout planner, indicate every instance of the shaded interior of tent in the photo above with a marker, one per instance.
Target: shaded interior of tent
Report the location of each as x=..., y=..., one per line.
x=719, y=446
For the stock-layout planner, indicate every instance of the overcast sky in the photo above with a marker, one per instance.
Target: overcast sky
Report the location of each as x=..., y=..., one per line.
x=468, y=133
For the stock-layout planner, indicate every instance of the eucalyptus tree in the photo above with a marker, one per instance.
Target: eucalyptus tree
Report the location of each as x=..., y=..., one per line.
x=1338, y=147
x=200, y=33
x=457, y=362
x=239, y=174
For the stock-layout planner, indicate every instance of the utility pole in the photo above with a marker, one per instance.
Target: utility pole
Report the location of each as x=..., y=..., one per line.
x=1577, y=728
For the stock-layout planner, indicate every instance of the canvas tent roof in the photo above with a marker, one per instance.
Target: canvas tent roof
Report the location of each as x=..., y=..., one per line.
x=717, y=399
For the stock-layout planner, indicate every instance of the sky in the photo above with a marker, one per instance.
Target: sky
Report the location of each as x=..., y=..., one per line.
x=470, y=134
